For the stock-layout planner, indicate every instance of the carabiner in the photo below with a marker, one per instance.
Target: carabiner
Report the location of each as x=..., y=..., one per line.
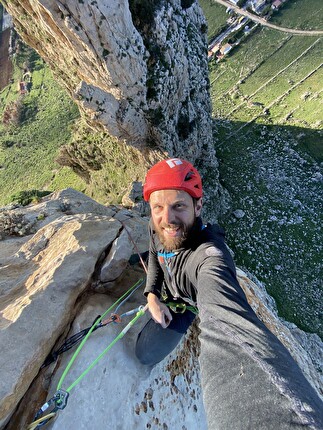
x=58, y=401
x=61, y=397
x=178, y=308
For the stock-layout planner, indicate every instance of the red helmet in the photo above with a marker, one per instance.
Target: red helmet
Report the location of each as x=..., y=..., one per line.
x=174, y=174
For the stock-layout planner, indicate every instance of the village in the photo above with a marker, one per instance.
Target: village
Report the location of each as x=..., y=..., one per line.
x=239, y=26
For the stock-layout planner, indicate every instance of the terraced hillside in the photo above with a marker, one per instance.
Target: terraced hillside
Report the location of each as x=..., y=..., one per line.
x=280, y=83
x=267, y=107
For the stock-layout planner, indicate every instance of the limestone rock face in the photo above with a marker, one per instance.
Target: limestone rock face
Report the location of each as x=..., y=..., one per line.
x=40, y=287
x=43, y=278
x=57, y=280
x=137, y=69
x=119, y=392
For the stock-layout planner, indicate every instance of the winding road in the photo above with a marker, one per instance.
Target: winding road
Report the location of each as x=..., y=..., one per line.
x=262, y=21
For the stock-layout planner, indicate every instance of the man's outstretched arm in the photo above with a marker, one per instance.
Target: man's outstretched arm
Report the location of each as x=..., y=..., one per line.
x=249, y=379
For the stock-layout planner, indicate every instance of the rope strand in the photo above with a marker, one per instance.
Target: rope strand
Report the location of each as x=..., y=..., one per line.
x=90, y=331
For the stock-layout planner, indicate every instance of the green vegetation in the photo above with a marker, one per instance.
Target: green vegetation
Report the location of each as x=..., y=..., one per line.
x=216, y=16
x=30, y=139
x=294, y=15
x=25, y=197
x=267, y=98
x=280, y=84
x=113, y=165
x=43, y=126
x=278, y=186
x=143, y=11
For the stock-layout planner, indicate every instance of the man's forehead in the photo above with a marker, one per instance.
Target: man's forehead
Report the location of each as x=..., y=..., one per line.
x=169, y=196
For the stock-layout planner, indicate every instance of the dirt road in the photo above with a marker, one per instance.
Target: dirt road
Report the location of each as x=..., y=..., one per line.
x=262, y=21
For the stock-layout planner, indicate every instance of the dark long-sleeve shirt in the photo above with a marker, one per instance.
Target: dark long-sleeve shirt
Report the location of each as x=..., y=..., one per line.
x=204, y=259
x=249, y=379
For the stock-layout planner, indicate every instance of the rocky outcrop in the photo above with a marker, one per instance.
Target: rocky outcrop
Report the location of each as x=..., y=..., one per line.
x=72, y=266
x=45, y=275
x=137, y=69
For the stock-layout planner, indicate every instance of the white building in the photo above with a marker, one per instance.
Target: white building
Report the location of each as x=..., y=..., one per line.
x=257, y=5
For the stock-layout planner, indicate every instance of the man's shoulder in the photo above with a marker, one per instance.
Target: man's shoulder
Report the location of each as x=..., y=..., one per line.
x=212, y=232
x=211, y=242
x=212, y=248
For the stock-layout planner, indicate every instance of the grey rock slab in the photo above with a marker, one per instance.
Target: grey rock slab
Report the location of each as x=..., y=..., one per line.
x=119, y=392
x=133, y=239
x=39, y=287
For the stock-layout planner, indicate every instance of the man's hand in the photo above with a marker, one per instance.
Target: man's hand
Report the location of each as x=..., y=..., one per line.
x=158, y=310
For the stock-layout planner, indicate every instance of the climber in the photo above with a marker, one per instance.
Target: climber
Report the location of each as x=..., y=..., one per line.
x=249, y=380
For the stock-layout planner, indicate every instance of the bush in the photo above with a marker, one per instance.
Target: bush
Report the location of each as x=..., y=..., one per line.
x=187, y=3
x=14, y=224
x=26, y=197
x=143, y=11
x=7, y=143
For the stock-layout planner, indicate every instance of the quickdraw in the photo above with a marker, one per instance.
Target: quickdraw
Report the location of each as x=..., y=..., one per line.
x=58, y=401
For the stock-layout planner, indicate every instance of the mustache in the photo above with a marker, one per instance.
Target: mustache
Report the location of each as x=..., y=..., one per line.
x=172, y=225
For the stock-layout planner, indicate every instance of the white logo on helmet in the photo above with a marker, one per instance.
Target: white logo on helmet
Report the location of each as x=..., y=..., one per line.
x=174, y=162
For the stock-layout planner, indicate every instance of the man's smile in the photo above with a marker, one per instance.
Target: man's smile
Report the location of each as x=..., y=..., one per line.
x=172, y=231
x=174, y=213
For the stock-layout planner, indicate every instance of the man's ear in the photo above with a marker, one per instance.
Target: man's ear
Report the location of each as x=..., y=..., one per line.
x=198, y=207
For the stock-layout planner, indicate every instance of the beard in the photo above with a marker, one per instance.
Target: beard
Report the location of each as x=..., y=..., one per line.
x=172, y=243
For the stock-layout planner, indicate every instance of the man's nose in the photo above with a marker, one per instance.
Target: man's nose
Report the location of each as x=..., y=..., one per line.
x=168, y=215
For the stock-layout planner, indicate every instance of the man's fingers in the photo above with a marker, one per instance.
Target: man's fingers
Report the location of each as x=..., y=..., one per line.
x=160, y=314
x=167, y=318
x=166, y=321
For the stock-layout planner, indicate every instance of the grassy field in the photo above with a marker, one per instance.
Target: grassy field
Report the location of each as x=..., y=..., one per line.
x=267, y=104
x=49, y=120
x=278, y=186
x=301, y=15
x=218, y=14
x=28, y=150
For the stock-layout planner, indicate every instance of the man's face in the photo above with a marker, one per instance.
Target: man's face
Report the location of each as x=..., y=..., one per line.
x=173, y=214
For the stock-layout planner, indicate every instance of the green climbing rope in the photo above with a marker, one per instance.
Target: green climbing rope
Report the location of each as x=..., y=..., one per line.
x=76, y=353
